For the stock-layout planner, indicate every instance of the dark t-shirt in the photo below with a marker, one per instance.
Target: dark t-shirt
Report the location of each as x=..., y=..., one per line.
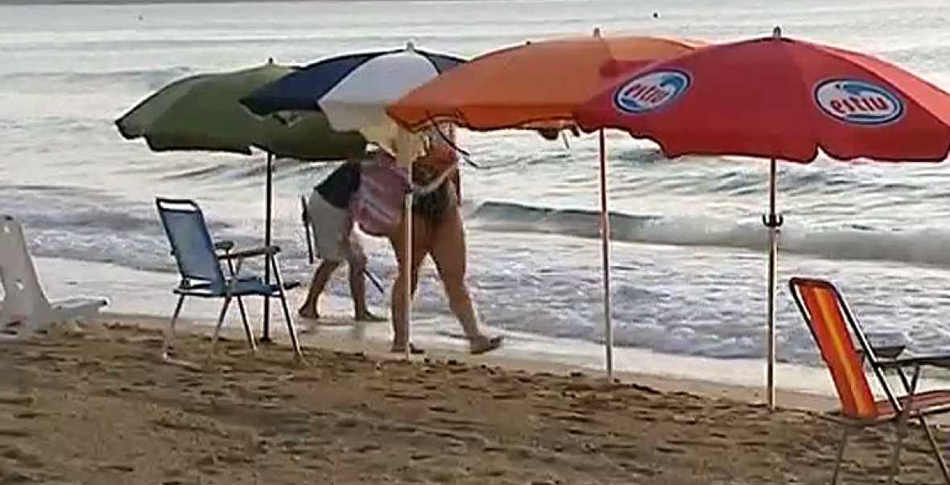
x=340, y=185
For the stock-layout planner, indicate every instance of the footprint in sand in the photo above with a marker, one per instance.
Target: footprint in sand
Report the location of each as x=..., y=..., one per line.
x=458, y=423
x=671, y=450
x=28, y=415
x=407, y=396
x=439, y=408
x=575, y=418
x=17, y=399
x=509, y=395
x=21, y=455
x=14, y=433
x=703, y=443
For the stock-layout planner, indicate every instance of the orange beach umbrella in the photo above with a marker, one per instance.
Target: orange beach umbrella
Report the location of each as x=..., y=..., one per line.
x=537, y=85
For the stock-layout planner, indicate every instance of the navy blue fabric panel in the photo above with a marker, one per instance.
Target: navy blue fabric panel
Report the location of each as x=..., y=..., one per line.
x=302, y=89
x=442, y=62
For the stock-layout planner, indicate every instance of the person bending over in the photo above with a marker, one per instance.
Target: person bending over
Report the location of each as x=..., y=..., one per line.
x=336, y=240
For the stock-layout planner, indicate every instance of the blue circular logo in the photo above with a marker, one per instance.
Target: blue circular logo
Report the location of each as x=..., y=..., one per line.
x=858, y=102
x=651, y=91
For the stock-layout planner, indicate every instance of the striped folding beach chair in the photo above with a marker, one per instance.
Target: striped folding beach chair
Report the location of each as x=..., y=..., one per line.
x=835, y=330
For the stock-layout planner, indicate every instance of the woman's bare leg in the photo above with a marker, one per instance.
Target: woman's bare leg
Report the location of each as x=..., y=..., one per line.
x=420, y=240
x=449, y=253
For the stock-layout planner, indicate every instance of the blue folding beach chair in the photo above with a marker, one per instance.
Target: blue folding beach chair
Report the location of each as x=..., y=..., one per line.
x=199, y=263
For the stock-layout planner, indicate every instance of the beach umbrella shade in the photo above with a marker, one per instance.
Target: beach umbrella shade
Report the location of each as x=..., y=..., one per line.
x=203, y=112
x=353, y=91
x=537, y=85
x=779, y=99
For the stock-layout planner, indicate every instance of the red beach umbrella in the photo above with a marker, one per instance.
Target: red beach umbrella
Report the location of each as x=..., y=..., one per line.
x=779, y=99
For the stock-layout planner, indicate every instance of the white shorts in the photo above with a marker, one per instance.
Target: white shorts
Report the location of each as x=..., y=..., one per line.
x=333, y=234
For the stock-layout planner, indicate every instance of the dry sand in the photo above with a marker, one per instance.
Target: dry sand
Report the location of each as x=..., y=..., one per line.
x=99, y=407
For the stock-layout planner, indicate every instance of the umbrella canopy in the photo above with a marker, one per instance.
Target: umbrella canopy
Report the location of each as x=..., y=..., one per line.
x=536, y=84
x=353, y=90
x=203, y=113
x=779, y=98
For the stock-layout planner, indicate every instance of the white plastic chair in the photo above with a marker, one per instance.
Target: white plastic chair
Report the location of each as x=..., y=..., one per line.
x=25, y=307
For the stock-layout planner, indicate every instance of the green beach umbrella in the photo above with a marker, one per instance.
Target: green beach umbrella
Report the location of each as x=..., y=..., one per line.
x=203, y=112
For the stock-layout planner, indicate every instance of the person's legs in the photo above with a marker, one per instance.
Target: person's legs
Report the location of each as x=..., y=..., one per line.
x=330, y=229
x=356, y=260
x=449, y=253
x=420, y=240
x=320, y=278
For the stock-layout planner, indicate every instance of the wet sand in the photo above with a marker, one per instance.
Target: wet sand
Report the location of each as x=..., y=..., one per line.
x=97, y=405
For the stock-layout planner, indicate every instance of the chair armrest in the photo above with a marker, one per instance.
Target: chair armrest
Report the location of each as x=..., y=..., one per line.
x=224, y=245
x=931, y=360
x=889, y=352
x=250, y=253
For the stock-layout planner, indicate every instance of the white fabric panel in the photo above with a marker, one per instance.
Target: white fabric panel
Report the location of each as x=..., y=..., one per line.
x=358, y=102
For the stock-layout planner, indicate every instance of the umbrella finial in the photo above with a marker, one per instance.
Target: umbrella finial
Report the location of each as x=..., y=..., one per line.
x=777, y=32
x=410, y=47
x=597, y=33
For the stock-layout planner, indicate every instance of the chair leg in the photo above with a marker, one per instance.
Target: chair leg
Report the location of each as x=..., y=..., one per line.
x=899, y=443
x=933, y=443
x=247, y=327
x=170, y=335
x=283, y=301
x=217, y=328
x=844, y=442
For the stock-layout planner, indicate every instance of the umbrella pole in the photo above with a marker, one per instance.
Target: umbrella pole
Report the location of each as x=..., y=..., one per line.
x=605, y=251
x=407, y=267
x=268, y=201
x=773, y=222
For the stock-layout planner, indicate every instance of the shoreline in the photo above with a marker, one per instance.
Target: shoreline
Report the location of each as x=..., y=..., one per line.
x=146, y=297
x=337, y=336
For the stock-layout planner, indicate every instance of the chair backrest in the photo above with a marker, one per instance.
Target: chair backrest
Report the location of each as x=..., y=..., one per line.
x=23, y=295
x=190, y=241
x=828, y=317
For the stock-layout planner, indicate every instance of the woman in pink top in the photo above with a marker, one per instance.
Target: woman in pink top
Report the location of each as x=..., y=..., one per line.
x=437, y=232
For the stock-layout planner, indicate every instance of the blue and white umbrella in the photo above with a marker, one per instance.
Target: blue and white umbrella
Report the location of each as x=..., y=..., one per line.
x=353, y=90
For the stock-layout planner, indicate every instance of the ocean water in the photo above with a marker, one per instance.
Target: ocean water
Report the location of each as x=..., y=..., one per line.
x=688, y=252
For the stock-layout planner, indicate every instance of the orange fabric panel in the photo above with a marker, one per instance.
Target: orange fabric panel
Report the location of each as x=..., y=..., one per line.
x=529, y=85
x=837, y=349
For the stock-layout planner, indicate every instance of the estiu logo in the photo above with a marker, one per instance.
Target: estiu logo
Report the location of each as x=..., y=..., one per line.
x=651, y=91
x=858, y=102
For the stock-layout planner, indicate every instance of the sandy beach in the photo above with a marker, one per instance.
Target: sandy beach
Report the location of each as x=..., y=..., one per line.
x=95, y=404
